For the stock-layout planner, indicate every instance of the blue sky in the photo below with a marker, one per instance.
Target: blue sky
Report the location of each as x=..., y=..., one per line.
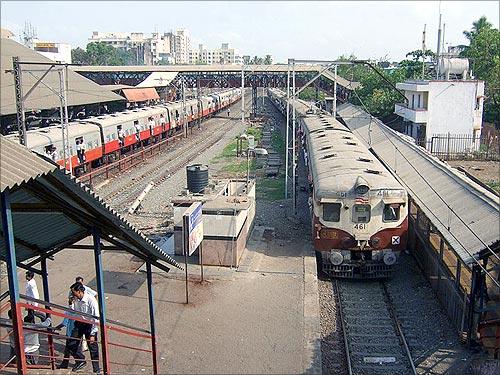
x=300, y=29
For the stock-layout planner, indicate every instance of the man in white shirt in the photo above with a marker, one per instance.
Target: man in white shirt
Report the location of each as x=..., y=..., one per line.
x=31, y=288
x=85, y=303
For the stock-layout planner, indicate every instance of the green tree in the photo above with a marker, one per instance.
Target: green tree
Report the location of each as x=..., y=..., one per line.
x=268, y=60
x=477, y=26
x=80, y=56
x=309, y=93
x=484, y=53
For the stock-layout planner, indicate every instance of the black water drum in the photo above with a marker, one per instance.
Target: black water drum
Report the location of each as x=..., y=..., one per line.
x=197, y=177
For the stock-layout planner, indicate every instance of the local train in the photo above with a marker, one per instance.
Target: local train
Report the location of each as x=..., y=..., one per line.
x=359, y=211
x=97, y=140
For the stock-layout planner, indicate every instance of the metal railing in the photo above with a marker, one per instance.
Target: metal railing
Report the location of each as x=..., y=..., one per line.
x=132, y=343
x=463, y=147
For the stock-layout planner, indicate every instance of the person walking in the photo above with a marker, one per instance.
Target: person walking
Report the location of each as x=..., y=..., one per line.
x=87, y=304
x=228, y=112
x=70, y=340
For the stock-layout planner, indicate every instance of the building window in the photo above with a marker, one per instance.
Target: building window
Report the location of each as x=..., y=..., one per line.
x=413, y=101
x=478, y=102
x=418, y=106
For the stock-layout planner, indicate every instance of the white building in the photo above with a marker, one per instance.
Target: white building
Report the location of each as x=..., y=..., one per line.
x=442, y=108
x=182, y=46
x=223, y=55
x=58, y=52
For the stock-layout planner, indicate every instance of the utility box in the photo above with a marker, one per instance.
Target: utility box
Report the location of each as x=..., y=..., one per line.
x=228, y=218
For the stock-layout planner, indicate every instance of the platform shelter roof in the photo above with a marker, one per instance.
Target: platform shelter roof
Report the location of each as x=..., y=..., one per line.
x=52, y=211
x=81, y=91
x=465, y=213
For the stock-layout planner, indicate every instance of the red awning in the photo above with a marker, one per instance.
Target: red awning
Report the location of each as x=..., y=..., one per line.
x=140, y=95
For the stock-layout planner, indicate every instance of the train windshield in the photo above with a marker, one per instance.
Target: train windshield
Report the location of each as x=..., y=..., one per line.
x=391, y=212
x=361, y=213
x=331, y=212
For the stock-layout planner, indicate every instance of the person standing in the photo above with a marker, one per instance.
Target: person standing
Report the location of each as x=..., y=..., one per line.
x=85, y=303
x=31, y=289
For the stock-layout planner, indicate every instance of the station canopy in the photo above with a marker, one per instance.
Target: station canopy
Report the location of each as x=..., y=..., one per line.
x=51, y=211
x=81, y=91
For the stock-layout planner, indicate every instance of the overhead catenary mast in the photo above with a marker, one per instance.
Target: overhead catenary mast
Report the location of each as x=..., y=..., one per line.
x=423, y=53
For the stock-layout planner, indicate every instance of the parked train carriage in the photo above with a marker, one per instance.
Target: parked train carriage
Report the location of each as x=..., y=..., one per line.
x=104, y=136
x=359, y=210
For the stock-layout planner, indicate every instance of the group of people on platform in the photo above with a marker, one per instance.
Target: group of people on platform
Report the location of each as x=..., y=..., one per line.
x=81, y=330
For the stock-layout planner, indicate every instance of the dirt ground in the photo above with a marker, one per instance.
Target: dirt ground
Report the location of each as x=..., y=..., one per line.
x=486, y=171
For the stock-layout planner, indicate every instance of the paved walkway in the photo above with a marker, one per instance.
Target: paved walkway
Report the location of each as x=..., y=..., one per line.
x=261, y=318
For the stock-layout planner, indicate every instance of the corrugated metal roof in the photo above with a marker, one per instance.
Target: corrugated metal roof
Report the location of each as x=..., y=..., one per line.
x=466, y=214
x=18, y=166
x=80, y=89
x=31, y=179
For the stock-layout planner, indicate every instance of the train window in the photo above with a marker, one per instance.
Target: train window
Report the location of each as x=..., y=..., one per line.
x=325, y=148
x=366, y=160
x=391, y=212
x=89, y=145
x=361, y=213
x=331, y=212
x=351, y=143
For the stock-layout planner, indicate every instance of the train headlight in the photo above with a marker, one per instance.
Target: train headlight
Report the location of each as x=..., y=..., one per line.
x=389, y=258
x=336, y=258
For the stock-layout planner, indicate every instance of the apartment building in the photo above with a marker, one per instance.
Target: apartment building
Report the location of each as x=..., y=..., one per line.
x=182, y=46
x=223, y=55
x=442, y=108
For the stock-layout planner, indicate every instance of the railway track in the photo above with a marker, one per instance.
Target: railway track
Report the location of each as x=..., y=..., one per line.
x=161, y=172
x=373, y=338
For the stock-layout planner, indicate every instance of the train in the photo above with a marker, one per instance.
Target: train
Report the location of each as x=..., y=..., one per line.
x=359, y=211
x=102, y=139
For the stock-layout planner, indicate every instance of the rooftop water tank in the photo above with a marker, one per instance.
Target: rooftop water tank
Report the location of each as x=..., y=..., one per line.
x=197, y=177
x=453, y=65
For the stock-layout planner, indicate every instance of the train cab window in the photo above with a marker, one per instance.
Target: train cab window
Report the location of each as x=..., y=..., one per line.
x=361, y=213
x=331, y=212
x=392, y=212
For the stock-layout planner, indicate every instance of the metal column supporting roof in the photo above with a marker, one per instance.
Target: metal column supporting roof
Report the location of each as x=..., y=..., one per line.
x=466, y=214
x=51, y=211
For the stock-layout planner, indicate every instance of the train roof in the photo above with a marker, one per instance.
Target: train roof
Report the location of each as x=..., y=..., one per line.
x=338, y=159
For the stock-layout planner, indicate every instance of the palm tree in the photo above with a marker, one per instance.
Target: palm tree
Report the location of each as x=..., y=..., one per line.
x=477, y=26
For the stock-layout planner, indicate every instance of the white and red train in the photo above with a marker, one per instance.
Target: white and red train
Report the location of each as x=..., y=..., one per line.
x=97, y=140
x=359, y=211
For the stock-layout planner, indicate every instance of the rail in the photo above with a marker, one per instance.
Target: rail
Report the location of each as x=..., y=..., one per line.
x=128, y=161
x=373, y=308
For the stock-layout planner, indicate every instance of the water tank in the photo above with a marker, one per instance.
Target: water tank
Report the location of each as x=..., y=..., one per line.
x=453, y=66
x=197, y=177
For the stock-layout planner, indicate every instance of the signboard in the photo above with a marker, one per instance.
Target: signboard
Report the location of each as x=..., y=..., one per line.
x=193, y=228
x=45, y=45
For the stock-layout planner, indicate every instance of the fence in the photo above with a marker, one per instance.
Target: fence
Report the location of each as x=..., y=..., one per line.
x=127, y=347
x=463, y=146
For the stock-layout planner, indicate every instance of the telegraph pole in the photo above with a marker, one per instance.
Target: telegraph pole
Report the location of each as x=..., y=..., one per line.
x=287, y=127
x=21, y=119
x=335, y=93
x=243, y=95
x=294, y=162
x=184, y=109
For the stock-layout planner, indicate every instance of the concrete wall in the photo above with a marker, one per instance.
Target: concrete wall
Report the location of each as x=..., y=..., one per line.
x=452, y=106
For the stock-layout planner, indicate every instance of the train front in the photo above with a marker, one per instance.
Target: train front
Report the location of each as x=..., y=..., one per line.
x=360, y=232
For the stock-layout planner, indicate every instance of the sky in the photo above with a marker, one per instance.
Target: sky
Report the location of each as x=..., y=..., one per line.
x=284, y=29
